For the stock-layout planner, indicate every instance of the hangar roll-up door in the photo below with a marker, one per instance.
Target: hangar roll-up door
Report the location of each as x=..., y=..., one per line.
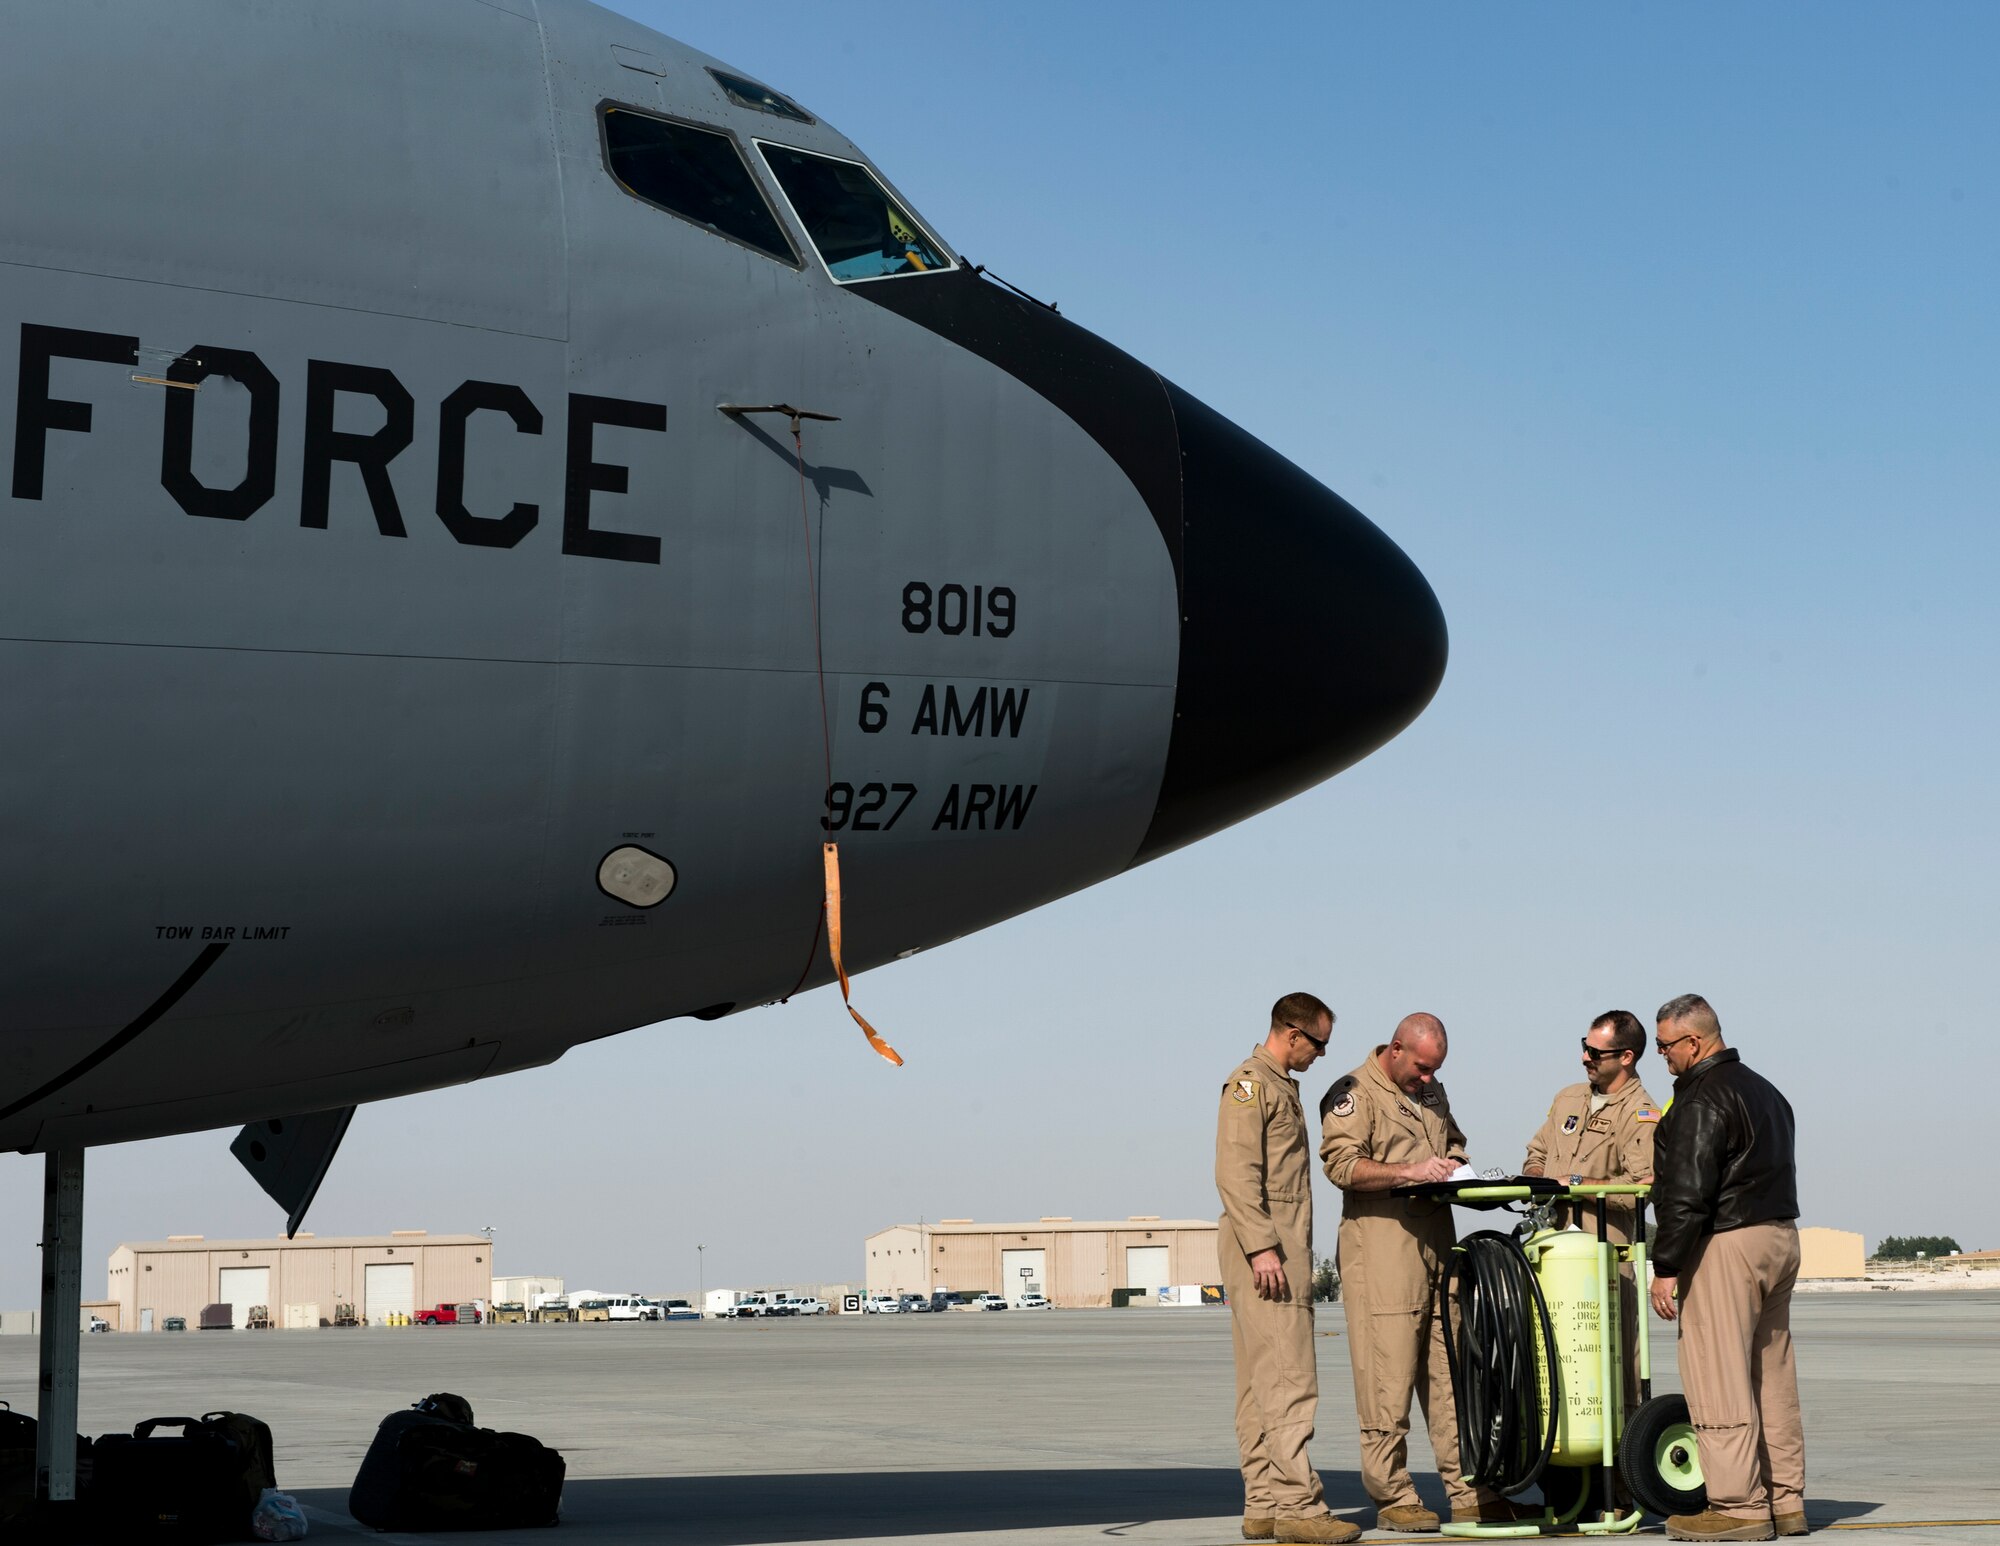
x=240, y=1288
x=1023, y=1272
x=1146, y=1266
x=388, y=1289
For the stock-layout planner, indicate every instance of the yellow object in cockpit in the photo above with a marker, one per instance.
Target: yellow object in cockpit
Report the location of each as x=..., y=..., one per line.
x=902, y=232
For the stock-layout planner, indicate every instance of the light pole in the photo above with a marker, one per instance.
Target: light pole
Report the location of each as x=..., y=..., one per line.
x=487, y=1231
x=700, y=1280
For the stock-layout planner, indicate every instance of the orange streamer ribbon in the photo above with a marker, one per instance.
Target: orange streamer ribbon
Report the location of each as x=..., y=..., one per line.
x=831, y=853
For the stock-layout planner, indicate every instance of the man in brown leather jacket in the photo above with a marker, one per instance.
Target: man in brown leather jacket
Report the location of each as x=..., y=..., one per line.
x=1263, y=1171
x=1725, y=1193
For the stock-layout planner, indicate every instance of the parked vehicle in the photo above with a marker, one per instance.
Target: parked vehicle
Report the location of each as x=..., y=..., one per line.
x=680, y=1310
x=630, y=1307
x=98, y=1323
x=174, y=1323
x=764, y=1307
x=1032, y=1302
x=448, y=1315
x=801, y=1304
x=882, y=1304
x=915, y=1304
x=990, y=1302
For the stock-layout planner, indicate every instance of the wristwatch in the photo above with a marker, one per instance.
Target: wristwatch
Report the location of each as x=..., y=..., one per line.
x=1576, y=1180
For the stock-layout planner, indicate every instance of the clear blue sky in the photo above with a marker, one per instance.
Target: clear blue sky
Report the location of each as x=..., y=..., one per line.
x=1664, y=339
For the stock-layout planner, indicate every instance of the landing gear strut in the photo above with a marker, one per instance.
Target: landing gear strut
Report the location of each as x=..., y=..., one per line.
x=61, y=1343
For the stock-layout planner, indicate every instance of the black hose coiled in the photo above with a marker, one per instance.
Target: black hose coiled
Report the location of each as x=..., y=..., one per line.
x=1504, y=1435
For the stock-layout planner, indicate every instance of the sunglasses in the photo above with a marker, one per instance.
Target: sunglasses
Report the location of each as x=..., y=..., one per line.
x=1664, y=1047
x=1600, y=1052
x=1318, y=1042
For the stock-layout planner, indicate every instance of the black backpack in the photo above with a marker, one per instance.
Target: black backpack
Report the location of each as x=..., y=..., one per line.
x=430, y=1468
x=453, y=1409
x=254, y=1437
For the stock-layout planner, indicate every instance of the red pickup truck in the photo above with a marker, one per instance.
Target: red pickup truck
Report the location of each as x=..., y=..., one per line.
x=448, y=1315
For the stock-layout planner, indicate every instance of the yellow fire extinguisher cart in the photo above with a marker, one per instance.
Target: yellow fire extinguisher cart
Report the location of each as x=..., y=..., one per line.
x=1533, y=1329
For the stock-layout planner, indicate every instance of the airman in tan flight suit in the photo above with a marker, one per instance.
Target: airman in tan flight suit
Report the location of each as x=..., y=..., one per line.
x=1263, y=1170
x=1388, y=1124
x=1602, y=1131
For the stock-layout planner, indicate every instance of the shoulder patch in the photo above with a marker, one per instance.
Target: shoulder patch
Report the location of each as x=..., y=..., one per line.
x=1243, y=1091
x=1645, y=1114
x=1339, y=1099
x=1430, y=1097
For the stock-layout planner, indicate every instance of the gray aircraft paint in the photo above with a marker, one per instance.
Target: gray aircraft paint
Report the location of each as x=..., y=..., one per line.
x=391, y=765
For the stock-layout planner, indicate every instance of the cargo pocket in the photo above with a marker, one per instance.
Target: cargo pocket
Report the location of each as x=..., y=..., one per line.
x=1396, y=1332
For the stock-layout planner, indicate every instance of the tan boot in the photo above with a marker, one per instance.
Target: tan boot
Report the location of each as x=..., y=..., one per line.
x=1711, y=1526
x=1791, y=1524
x=1258, y=1529
x=1325, y=1529
x=1496, y=1511
x=1411, y=1517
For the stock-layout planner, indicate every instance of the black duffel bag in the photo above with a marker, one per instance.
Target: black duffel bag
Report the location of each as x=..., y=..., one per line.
x=431, y=1469
x=196, y=1485
x=17, y=1463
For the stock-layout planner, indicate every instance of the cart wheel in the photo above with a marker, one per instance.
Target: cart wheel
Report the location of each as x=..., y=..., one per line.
x=1563, y=1488
x=1659, y=1460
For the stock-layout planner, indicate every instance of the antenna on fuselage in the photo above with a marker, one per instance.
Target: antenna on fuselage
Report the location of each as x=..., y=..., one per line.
x=738, y=410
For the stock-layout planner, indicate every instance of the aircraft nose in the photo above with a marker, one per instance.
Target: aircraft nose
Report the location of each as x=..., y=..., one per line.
x=1308, y=638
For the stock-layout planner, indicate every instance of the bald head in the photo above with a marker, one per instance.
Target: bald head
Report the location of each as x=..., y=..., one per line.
x=1422, y=1030
x=1415, y=1053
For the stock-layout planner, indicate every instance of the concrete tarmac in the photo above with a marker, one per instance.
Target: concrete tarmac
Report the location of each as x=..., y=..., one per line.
x=1059, y=1426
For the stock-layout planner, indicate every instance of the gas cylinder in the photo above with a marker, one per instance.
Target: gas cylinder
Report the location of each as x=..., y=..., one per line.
x=1567, y=1266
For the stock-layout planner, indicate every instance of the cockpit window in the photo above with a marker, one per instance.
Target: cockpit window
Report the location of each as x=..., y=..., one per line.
x=697, y=174
x=860, y=231
x=747, y=93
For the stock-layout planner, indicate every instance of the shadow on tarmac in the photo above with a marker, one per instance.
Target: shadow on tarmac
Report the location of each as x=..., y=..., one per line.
x=1830, y=1511
x=752, y=1508
x=740, y=1509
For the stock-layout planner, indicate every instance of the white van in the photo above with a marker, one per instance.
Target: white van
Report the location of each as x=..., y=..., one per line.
x=630, y=1307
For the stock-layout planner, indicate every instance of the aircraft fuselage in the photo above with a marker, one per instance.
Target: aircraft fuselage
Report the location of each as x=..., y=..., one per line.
x=386, y=602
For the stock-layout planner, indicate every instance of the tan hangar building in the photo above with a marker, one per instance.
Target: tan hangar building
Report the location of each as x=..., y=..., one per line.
x=1076, y=1263
x=1831, y=1253
x=300, y=1280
